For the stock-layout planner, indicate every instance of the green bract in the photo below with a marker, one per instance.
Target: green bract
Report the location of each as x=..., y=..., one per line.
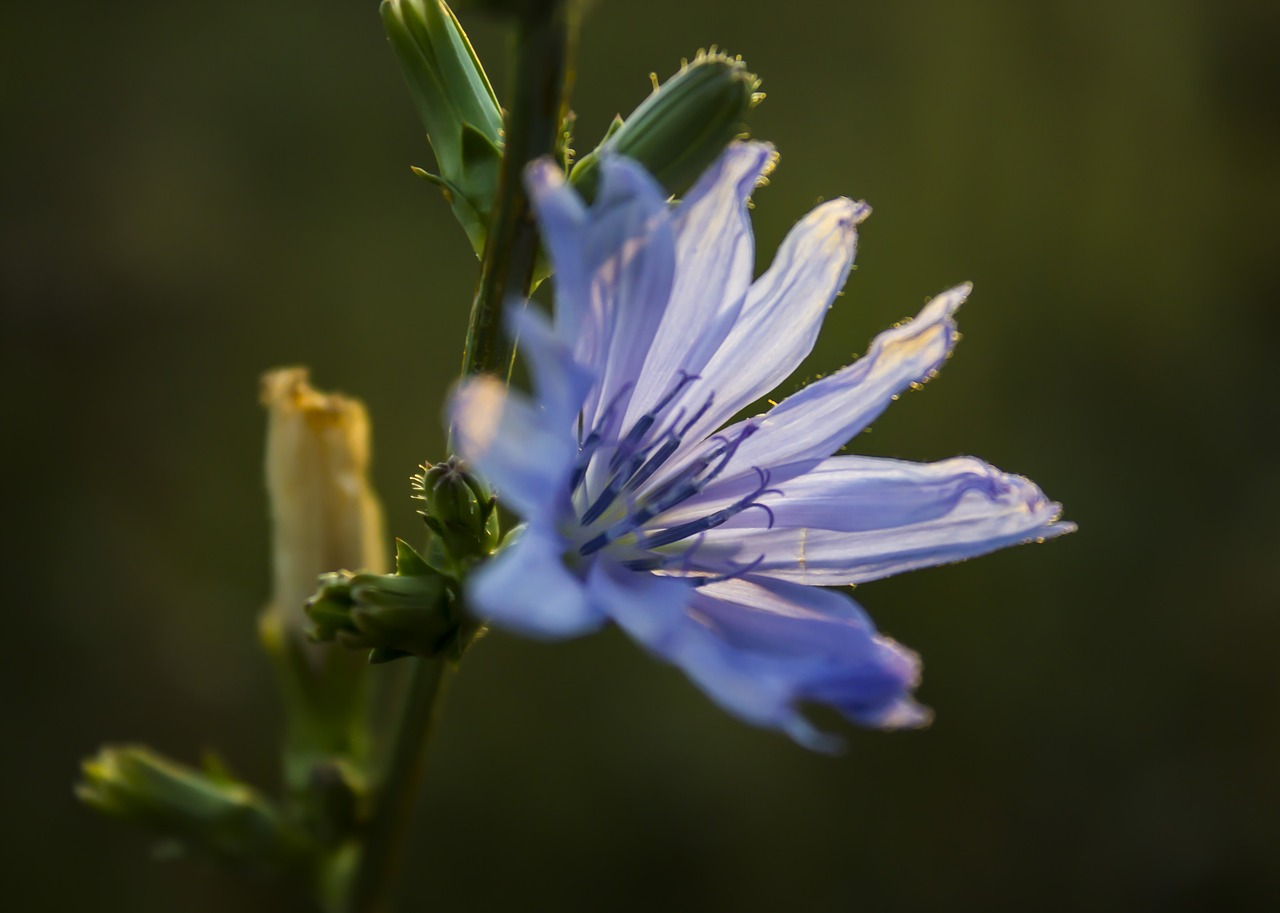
x=456, y=103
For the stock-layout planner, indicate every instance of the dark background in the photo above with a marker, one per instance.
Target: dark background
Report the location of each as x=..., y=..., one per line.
x=195, y=193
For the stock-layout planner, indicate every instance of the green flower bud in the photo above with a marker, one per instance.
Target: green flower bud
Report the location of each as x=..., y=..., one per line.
x=682, y=127
x=203, y=811
x=456, y=103
x=460, y=510
x=392, y=615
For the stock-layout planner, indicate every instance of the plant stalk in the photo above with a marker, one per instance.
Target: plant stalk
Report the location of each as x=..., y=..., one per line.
x=397, y=792
x=545, y=37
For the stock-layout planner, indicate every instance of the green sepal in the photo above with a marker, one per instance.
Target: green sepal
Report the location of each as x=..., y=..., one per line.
x=409, y=563
x=456, y=103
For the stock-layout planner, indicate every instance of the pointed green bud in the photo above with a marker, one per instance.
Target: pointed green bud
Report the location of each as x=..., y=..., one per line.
x=460, y=510
x=203, y=811
x=456, y=103
x=397, y=614
x=682, y=127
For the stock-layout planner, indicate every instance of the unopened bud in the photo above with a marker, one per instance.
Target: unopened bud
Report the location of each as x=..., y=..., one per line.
x=460, y=509
x=682, y=127
x=204, y=812
x=456, y=103
x=390, y=614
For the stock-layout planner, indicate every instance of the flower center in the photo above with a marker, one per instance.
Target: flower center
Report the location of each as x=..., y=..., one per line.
x=619, y=504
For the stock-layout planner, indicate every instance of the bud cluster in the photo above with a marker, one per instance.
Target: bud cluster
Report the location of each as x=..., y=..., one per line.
x=409, y=613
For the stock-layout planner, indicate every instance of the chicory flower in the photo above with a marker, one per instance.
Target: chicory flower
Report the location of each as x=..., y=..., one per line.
x=712, y=545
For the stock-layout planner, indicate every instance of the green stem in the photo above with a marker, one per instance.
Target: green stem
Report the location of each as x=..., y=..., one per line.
x=545, y=36
x=398, y=787
x=544, y=42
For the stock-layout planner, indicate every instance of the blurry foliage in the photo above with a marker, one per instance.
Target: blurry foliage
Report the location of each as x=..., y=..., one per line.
x=193, y=194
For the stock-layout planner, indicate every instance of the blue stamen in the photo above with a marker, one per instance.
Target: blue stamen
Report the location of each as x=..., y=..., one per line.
x=655, y=461
x=674, y=438
x=712, y=520
x=654, y=563
x=587, y=449
x=599, y=542
x=627, y=446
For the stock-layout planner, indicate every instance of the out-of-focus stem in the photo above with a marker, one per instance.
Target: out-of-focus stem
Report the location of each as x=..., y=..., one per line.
x=397, y=793
x=545, y=35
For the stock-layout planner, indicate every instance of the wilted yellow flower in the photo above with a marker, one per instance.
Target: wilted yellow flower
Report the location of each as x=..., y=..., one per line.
x=324, y=512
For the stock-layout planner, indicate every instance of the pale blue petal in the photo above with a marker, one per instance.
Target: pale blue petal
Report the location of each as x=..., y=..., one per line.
x=761, y=648
x=526, y=588
x=820, y=419
x=507, y=437
x=849, y=493
x=715, y=259
x=632, y=268
x=559, y=382
x=839, y=658
x=783, y=311
x=614, y=265
x=562, y=222
x=843, y=528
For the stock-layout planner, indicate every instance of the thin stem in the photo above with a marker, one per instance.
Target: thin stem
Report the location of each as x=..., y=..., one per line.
x=544, y=42
x=397, y=792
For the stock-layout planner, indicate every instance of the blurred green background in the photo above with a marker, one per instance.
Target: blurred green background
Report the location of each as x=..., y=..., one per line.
x=195, y=193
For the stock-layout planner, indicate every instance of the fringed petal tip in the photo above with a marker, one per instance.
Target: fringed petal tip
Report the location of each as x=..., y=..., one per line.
x=542, y=176
x=893, y=705
x=902, y=712
x=752, y=158
x=942, y=308
x=1019, y=490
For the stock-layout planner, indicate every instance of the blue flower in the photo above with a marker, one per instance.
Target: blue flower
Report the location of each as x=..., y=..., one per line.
x=711, y=545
